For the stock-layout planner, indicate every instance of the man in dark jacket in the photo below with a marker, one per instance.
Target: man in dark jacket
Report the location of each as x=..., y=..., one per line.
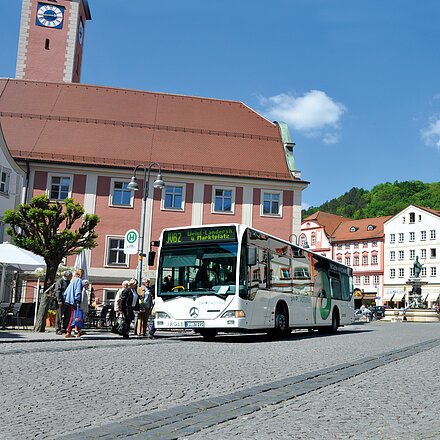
x=63, y=310
x=129, y=304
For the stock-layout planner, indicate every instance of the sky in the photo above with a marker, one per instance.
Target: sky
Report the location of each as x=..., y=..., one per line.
x=357, y=81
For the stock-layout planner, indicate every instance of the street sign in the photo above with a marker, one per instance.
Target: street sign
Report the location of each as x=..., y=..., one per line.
x=131, y=242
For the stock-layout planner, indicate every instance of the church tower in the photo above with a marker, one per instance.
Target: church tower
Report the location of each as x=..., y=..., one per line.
x=51, y=40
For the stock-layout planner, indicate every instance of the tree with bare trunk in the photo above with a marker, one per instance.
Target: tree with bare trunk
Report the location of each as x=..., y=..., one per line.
x=47, y=228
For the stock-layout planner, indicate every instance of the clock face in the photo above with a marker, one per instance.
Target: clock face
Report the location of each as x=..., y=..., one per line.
x=50, y=16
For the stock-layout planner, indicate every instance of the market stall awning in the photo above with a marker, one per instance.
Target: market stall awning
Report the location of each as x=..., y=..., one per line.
x=433, y=296
x=388, y=294
x=398, y=296
x=21, y=259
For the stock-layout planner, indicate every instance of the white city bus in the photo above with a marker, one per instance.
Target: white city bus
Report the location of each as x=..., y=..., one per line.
x=233, y=278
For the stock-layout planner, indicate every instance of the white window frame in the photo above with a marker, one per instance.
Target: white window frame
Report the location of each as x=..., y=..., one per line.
x=392, y=273
x=412, y=236
x=401, y=255
x=174, y=185
x=392, y=238
x=412, y=254
x=422, y=235
x=357, y=279
x=364, y=260
x=375, y=280
x=107, y=252
x=432, y=234
x=50, y=176
x=366, y=279
x=423, y=272
x=392, y=255
x=433, y=253
x=105, y=292
x=433, y=271
x=401, y=237
x=422, y=253
x=112, y=191
x=223, y=188
x=374, y=260
x=6, y=182
x=280, y=208
x=401, y=272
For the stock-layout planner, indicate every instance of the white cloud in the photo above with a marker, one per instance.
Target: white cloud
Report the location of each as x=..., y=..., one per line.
x=330, y=138
x=314, y=113
x=431, y=134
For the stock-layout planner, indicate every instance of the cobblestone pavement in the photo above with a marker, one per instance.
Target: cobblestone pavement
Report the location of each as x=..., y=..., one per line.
x=104, y=386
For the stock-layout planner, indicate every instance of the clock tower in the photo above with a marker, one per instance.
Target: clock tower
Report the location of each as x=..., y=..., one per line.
x=50, y=46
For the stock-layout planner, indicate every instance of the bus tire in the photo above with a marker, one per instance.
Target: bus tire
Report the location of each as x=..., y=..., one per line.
x=281, y=322
x=208, y=335
x=333, y=328
x=335, y=321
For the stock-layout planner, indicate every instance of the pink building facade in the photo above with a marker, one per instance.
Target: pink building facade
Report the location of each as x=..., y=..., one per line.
x=355, y=243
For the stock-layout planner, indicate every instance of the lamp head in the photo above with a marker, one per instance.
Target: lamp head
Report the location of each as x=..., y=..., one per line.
x=158, y=183
x=133, y=185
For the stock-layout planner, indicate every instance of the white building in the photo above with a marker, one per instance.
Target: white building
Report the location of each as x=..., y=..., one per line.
x=413, y=232
x=11, y=183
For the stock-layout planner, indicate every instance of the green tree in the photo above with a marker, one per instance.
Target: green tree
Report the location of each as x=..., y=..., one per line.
x=46, y=228
x=383, y=199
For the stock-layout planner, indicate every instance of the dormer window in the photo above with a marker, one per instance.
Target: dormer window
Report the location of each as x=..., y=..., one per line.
x=370, y=227
x=353, y=229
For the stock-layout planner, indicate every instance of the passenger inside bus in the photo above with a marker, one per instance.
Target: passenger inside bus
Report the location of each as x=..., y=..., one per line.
x=201, y=280
x=167, y=284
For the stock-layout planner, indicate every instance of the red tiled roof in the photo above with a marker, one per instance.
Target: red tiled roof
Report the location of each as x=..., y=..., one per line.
x=430, y=210
x=92, y=125
x=343, y=232
x=329, y=221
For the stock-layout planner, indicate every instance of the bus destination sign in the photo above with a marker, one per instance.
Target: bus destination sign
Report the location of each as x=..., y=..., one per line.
x=199, y=235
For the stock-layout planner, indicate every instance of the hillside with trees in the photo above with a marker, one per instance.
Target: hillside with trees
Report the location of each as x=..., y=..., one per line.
x=383, y=199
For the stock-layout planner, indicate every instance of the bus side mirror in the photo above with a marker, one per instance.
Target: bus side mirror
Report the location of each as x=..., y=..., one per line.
x=151, y=258
x=251, y=256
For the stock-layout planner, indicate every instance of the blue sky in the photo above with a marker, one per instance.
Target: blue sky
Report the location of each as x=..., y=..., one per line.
x=358, y=81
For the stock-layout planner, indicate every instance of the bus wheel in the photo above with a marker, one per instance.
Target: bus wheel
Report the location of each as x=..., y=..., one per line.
x=281, y=322
x=335, y=322
x=208, y=335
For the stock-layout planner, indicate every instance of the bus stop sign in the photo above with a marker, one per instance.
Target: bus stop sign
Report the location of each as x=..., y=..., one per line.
x=131, y=242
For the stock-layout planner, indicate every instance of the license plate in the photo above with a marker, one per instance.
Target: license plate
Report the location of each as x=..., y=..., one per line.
x=194, y=324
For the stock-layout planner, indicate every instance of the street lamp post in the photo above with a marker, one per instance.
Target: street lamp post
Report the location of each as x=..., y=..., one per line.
x=133, y=186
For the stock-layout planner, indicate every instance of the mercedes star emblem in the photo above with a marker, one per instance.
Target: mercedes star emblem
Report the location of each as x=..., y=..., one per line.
x=194, y=312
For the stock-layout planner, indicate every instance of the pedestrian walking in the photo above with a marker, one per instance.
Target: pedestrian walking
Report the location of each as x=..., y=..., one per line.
x=117, y=304
x=62, y=316
x=146, y=305
x=129, y=304
x=72, y=297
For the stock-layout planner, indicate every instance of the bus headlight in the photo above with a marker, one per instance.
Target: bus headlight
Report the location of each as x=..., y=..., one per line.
x=234, y=314
x=162, y=315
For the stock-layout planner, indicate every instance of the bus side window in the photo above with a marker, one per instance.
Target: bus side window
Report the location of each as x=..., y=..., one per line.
x=257, y=274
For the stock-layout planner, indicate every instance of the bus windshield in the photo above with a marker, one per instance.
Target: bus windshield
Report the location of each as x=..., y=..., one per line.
x=198, y=270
